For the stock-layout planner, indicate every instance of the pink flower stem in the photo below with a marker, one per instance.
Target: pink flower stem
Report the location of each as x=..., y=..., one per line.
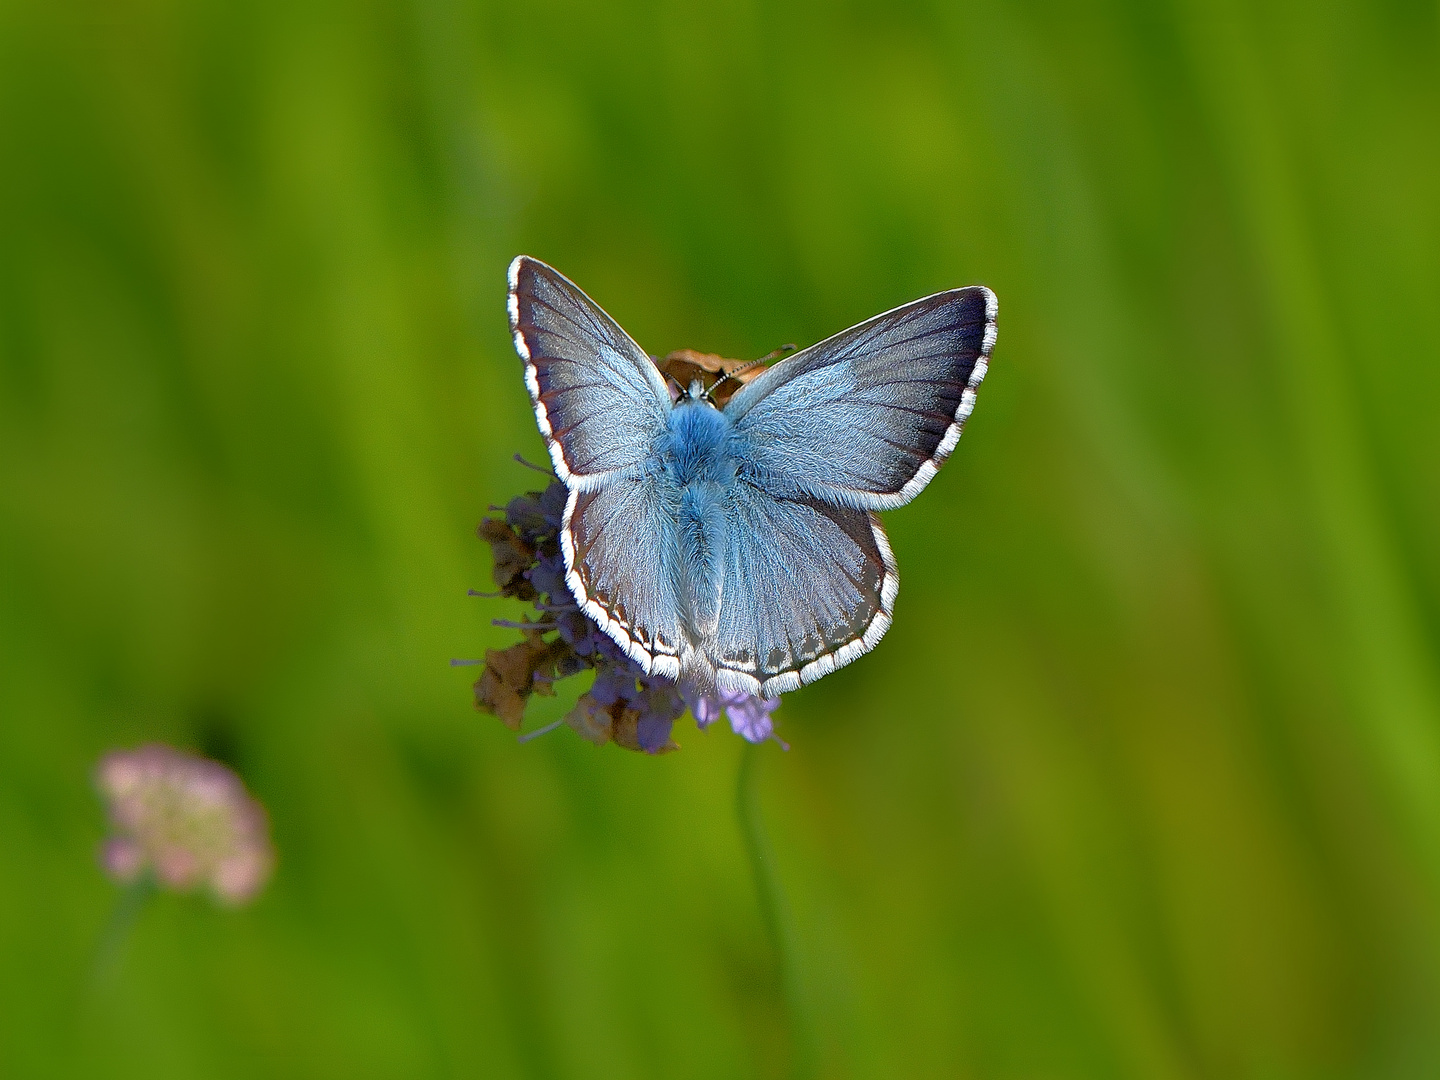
x=123, y=916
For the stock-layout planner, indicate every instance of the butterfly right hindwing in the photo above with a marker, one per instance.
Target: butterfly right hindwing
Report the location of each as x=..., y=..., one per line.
x=808, y=588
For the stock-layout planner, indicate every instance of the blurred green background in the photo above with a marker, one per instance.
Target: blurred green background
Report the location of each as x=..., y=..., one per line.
x=1144, y=782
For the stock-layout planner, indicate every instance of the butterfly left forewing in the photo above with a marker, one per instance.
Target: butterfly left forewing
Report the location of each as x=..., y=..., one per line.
x=599, y=400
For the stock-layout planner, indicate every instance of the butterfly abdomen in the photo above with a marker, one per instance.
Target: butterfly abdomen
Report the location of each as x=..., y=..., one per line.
x=702, y=555
x=695, y=458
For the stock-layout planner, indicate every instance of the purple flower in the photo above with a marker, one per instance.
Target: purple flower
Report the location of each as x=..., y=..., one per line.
x=548, y=577
x=661, y=698
x=552, y=505
x=706, y=708
x=187, y=819
x=749, y=715
x=526, y=515
x=612, y=684
x=578, y=632
x=607, y=649
x=569, y=663
x=653, y=733
x=660, y=705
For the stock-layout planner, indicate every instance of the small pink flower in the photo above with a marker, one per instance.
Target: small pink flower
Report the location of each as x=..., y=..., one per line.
x=186, y=819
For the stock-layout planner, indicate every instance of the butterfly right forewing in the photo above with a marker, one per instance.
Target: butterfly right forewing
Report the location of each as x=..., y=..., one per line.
x=867, y=417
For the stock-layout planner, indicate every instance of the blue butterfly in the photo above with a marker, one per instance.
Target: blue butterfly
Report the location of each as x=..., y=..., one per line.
x=739, y=549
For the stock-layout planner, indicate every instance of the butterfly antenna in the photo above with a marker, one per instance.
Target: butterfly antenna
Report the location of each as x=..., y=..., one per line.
x=751, y=366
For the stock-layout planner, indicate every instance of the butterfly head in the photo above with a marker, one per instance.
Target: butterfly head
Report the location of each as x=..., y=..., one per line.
x=697, y=393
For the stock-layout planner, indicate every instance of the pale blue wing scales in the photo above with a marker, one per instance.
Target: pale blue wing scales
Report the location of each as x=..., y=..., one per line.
x=621, y=555
x=867, y=417
x=599, y=400
x=600, y=403
x=808, y=587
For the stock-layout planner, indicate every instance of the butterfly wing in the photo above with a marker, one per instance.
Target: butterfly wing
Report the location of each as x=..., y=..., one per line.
x=599, y=400
x=621, y=551
x=867, y=417
x=600, y=403
x=809, y=586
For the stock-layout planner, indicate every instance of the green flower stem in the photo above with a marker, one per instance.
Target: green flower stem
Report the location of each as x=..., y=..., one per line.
x=775, y=912
x=123, y=916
